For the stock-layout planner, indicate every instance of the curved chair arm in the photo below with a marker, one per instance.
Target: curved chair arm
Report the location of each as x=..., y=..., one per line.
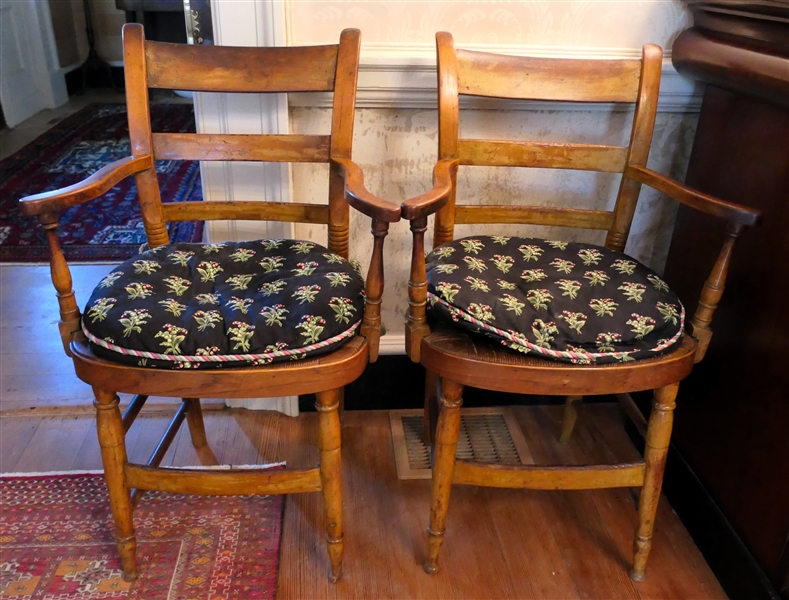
x=87, y=189
x=730, y=211
x=359, y=197
x=46, y=205
x=382, y=212
x=429, y=202
x=738, y=217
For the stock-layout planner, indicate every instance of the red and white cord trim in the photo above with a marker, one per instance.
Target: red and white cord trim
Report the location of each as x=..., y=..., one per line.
x=573, y=356
x=220, y=357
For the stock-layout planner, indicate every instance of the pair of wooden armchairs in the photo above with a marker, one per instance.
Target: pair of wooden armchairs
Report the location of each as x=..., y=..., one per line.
x=285, y=317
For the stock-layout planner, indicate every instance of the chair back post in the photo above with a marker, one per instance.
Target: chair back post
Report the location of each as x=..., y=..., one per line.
x=343, y=110
x=640, y=142
x=136, y=74
x=448, y=124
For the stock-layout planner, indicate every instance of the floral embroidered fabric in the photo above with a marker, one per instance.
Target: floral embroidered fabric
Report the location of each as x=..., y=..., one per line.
x=228, y=304
x=565, y=301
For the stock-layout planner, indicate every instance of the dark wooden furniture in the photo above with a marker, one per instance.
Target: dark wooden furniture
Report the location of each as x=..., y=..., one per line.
x=226, y=69
x=733, y=418
x=453, y=359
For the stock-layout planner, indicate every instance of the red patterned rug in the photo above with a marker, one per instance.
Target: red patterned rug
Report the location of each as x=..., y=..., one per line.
x=56, y=542
x=110, y=227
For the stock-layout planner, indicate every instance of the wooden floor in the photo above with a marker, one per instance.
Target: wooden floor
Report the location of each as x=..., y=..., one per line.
x=499, y=543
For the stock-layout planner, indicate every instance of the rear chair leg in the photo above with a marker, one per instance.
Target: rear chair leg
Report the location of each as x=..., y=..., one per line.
x=194, y=418
x=570, y=415
x=113, y=455
x=329, y=443
x=657, y=442
x=431, y=407
x=445, y=446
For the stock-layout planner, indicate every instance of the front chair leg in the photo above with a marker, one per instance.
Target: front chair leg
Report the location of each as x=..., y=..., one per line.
x=657, y=442
x=113, y=455
x=329, y=443
x=445, y=446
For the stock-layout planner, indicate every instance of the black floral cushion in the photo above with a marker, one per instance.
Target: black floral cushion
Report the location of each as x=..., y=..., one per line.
x=227, y=304
x=565, y=301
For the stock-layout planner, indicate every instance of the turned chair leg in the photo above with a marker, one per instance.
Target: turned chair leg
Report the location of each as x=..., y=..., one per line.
x=431, y=407
x=657, y=442
x=194, y=418
x=113, y=455
x=329, y=443
x=570, y=415
x=445, y=446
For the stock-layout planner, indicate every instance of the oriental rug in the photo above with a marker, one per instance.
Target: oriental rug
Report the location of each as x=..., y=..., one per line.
x=56, y=542
x=110, y=227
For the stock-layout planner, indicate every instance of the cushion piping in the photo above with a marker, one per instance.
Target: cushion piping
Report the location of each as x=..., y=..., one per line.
x=572, y=356
x=221, y=357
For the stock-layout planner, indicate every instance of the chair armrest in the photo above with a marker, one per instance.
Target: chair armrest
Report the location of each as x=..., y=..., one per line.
x=359, y=197
x=429, y=202
x=730, y=211
x=87, y=189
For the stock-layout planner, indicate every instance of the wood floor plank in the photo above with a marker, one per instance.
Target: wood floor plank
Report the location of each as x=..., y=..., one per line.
x=45, y=452
x=15, y=435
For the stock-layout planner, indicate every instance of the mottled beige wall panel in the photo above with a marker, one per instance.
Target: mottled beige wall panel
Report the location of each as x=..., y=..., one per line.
x=397, y=149
x=592, y=23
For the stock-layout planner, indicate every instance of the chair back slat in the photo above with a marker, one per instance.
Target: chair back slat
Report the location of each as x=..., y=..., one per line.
x=267, y=148
x=529, y=78
x=233, y=69
x=465, y=72
x=533, y=215
x=291, y=212
x=584, y=157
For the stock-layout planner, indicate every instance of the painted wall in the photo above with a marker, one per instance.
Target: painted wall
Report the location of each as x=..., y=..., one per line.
x=397, y=149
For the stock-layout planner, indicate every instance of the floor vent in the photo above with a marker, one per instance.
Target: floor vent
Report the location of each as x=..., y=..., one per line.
x=486, y=435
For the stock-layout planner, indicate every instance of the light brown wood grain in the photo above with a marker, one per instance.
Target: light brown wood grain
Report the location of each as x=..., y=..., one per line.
x=549, y=478
x=535, y=215
x=501, y=76
x=223, y=483
x=584, y=157
x=292, y=212
x=235, y=69
x=215, y=146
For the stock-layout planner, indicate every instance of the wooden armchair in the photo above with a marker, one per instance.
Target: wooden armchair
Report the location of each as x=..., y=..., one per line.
x=226, y=320
x=550, y=317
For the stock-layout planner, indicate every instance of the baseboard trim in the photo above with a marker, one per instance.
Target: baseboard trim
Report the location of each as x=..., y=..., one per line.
x=392, y=344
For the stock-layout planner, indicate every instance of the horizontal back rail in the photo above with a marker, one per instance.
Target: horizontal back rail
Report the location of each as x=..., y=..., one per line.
x=610, y=159
x=231, y=69
x=267, y=148
x=530, y=78
x=534, y=215
x=248, y=211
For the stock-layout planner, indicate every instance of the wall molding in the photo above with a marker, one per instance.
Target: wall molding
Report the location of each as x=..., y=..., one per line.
x=404, y=76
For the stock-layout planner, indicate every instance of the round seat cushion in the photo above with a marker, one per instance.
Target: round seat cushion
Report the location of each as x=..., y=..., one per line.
x=231, y=304
x=565, y=301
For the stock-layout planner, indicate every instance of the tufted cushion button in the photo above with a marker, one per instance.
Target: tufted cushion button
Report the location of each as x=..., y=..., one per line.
x=564, y=301
x=233, y=304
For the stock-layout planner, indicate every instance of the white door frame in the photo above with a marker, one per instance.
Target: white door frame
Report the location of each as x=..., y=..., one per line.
x=247, y=23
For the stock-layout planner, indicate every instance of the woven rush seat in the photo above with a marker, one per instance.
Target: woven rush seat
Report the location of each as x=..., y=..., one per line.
x=228, y=304
x=564, y=301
